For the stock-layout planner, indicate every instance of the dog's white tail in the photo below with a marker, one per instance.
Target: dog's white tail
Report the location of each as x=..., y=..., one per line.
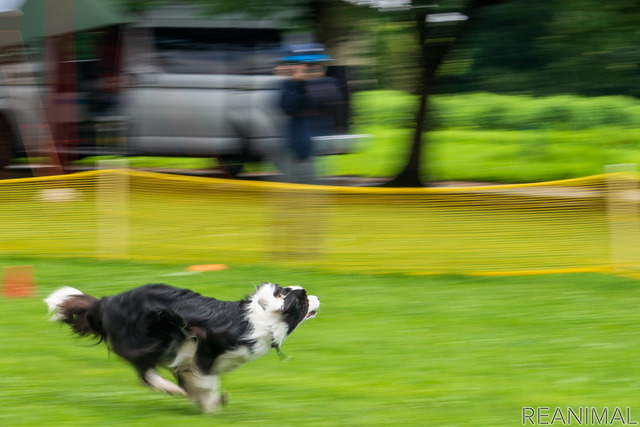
x=55, y=300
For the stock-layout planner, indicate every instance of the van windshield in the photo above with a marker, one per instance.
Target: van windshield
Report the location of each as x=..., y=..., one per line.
x=217, y=50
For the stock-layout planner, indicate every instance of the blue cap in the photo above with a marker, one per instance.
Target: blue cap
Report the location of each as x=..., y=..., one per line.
x=306, y=53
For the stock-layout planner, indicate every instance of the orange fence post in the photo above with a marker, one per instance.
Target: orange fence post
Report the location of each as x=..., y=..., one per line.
x=18, y=281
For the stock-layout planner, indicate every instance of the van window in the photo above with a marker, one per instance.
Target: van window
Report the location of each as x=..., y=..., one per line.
x=217, y=50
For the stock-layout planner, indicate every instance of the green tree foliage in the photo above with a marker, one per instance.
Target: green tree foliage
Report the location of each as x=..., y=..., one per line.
x=139, y=5
x=586, y=47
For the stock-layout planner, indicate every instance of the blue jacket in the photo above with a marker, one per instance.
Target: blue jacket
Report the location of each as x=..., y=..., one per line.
x=310, y=105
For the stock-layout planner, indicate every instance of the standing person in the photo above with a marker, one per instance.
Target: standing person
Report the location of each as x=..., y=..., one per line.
x=309, y=99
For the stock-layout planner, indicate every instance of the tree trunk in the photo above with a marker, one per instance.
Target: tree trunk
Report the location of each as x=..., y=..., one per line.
x=411, y=175
x=435, y=43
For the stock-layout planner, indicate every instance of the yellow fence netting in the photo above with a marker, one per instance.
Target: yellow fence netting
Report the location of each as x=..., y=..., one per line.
x=588, y=224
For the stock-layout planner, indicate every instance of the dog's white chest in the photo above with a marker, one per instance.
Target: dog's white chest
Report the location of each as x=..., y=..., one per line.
x=231, y=360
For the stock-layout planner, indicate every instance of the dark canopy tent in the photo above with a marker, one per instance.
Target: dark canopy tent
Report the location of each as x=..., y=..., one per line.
x=57, y=21
x=42, y=18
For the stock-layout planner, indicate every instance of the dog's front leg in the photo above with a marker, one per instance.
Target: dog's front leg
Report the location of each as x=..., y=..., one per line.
x=203, y=390
x=211, y=399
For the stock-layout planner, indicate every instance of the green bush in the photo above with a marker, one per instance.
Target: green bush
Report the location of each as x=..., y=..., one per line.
x=495, y=138
x=486, y=111
x=384, y=107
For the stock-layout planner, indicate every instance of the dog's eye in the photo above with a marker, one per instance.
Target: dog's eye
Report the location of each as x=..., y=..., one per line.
x=278, y=292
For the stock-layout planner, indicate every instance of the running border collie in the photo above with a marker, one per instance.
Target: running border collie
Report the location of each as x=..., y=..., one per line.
x=197, y=337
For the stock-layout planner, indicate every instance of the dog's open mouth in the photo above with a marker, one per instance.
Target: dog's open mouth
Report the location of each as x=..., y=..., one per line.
x=311, y=314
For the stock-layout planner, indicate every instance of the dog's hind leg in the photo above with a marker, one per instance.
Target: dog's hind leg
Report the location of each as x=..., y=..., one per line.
x=144, y=344
x=145, y=361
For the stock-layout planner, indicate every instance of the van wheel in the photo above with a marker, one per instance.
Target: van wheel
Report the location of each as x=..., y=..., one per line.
x=6, y=144
x=231, y=165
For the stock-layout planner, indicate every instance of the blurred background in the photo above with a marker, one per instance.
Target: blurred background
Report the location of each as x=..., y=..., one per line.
x=458, y=90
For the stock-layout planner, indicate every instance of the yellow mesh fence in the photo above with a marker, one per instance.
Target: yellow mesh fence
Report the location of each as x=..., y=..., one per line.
x=588, y=224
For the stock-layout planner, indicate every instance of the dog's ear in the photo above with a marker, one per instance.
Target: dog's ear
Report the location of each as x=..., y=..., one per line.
x=289, y=304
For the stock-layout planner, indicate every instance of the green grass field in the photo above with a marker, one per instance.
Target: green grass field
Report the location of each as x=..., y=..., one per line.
x=384, y=350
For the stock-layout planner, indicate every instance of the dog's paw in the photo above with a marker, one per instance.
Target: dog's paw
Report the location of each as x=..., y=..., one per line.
x=224, y=398
x=213, y=402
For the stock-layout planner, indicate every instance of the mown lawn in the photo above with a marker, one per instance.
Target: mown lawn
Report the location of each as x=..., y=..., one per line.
x=491, y=156
x=384, y=350
x=502, y=156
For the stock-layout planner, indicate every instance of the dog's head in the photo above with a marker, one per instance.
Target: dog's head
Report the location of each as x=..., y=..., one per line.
x=290, y=304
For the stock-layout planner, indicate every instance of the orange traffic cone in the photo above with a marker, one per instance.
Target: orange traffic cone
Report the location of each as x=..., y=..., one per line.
x=18, y=281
